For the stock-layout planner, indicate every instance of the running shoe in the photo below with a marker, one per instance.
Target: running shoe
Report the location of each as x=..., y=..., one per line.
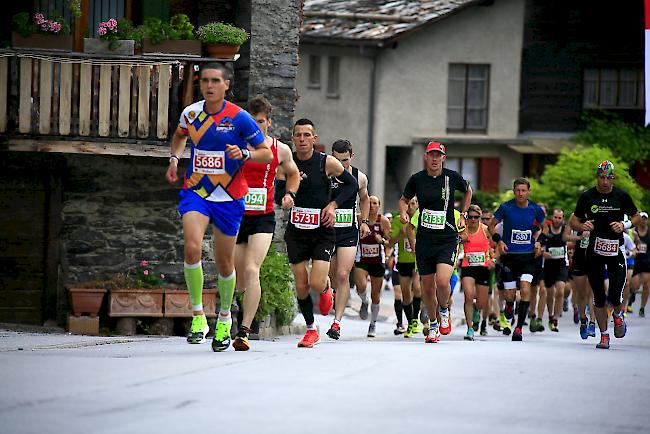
x=445, y=324
x=509, y=312
x=198, y=330
x=552, y=325
x=469, y=336
x=620, y=327
x=371, y=330
x=583, y=331
x=591, y=329
x=604, y=341
x=483, y=329
x=434, y=334
x=363, y=311
x=221, y=340
x=507, y=329
x=335, y=331
x=565, y=305
x=492, y=319
x=415, y=326
x=399, y=330
x=241, y=340
x=325, y=300
x=629, y=309
x=310, y=339
x=476, y=319
x=533, y=325
x=642, y=312
x=576, y=316
x=424, y=317
x=409, y=332
x=516, y=335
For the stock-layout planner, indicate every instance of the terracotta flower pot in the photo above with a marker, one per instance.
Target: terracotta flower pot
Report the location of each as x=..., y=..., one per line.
x=183, y=47
x=86, y=300
x=136, y=302
x=178, y=304
x=222, y=51
x=43, y=42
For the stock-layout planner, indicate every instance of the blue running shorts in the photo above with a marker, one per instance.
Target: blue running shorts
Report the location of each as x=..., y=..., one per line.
x=225, y=216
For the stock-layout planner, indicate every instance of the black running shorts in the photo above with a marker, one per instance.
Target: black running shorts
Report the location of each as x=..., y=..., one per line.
x=305, y=244
x=375, y=270
x=479, y=274
x=515, y=266
x=255, y=224
x=406, y=269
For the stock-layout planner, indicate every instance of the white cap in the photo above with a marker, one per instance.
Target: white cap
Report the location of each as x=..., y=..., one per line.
x=643, y=214
x=389, y=215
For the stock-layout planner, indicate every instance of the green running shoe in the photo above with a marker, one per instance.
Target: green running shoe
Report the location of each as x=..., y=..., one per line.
x=476, y=319
x=415, y=326
x=221, y=340
x=409, y=331
x=503, y=322
x=198, y=330
x=470, y=334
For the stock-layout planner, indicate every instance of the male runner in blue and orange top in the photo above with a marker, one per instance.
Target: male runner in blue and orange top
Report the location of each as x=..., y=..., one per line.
x=213, y=190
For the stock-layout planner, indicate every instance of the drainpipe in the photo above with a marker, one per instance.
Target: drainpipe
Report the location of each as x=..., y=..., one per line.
x=371, y=121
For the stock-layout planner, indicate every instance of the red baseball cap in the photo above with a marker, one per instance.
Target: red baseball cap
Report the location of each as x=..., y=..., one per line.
x=435, y=146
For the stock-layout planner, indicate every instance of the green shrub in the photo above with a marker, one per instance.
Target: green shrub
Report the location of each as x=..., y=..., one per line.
x=221, y=33
x=178, y=28
x=278, y=296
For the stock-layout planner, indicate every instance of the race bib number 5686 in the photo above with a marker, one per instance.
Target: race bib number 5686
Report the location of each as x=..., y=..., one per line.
x=209, y=162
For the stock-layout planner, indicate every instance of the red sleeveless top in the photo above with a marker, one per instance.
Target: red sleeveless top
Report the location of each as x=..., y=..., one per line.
x=476, y=248
x=369, y=250
x=260, y=177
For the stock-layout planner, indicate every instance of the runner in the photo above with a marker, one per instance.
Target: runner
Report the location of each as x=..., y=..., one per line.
x=517, y=248
x=310, y=232
x=408, y=275
x=476, y=267
x=370, y=260
x=556, y=270
x=600, y=210
x=437, y=235
x=584, y=297
x=491, y=311
x=258, y=224
x=214, y=190
x=642, y=260
x=347, y=232
x=629, y=250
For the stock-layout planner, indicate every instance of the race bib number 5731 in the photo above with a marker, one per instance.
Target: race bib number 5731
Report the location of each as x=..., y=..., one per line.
x=305, y=218
x=209, y=162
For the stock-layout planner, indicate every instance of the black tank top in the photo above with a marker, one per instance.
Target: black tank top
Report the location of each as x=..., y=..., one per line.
x=642, y=248
x=315, y=187
x=556, y=246
x=346, y=212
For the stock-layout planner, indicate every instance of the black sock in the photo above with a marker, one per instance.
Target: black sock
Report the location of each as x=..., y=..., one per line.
x=408, y=311
x=398, y=311
x=416, y=306
x=307, y=309
x=523, y=311
x=583, y=321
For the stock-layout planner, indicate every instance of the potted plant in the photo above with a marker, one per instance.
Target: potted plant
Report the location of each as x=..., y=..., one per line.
x=174, y=37
x=115, y=37
x=221, y=40
x=139, y=295
x=40, y=32
x=86, y=298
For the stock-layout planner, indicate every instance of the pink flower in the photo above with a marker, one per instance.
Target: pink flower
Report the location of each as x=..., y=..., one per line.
x=101, y=31
x=144, y=263
x=112, y=23
x=162, y=276
x=145, y=272
x=44, y=27
x=40, y=18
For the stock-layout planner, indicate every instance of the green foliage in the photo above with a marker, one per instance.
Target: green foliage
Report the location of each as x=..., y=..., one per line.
x=178, y=28
x=278, y=296
x=221, y=33
x=486, y=200
x=25, y=26
x=628, y=141
x=75, y=7
x=575, y=171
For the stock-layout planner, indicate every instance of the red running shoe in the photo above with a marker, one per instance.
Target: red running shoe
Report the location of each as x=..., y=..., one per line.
x=445, y=323
x=433, y=336
x=325, y=301
x=310, y=339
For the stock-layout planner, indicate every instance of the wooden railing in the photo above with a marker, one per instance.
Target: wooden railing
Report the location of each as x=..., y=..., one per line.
x=77, y=97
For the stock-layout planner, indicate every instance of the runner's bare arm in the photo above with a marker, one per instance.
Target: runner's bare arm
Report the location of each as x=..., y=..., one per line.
x=260, y=154
x=364, y=204
x=568, y=235
x=576, y=224
x=403, y=208
x=179, y=141
x=349, y=187
x=291, y=172
x=467, y=201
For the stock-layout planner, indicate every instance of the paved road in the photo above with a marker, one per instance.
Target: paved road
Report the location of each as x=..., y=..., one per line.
x=548, y=383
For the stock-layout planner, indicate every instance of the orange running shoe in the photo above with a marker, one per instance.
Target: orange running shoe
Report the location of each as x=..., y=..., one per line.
x=604, y=341
x=325, y=301
x=310, y=339
x=445, y=323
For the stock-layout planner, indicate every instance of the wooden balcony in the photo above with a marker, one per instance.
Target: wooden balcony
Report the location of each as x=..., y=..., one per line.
x=81, y=103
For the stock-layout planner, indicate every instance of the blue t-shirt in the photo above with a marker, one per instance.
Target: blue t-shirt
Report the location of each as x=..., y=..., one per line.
x=519, y=225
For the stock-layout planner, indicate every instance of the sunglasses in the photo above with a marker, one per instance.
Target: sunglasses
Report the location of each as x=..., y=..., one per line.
x=473, y=217
x=485, y=219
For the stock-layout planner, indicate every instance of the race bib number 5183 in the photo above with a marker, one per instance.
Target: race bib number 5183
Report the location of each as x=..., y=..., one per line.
x=209, y=162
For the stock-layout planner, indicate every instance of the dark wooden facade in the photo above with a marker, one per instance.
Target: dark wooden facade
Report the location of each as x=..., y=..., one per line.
x=561, y=38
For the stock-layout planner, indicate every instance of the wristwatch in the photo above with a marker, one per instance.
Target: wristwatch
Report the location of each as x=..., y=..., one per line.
x=292, y=194
x=246, y=154
x=366, y=221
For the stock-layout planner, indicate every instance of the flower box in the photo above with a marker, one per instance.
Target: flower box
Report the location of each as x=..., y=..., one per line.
x=185, y=47
x=126, y=47
x=43, y=42
x=135, y=302
x=86, y=300
x=218, y=51
x=178, y=304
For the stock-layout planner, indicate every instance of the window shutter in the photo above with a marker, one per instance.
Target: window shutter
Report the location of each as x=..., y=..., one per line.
x=489, y=175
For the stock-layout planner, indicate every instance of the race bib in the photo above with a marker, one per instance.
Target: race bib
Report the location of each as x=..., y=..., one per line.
x=642, y=248
x=344, y=218
x=370, y=250
x=255, y=200
x=584, y=243
x=475, y=259
x=305, y=218
x=521, y=237
x=556, y=252
x=605, y=247
x=209, y=162
x=433, y=219
x=407, y=246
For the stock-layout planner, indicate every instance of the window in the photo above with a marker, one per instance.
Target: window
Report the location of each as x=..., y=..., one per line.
x=333, y=77
x=314, y=72
x=467, y=167
x=618, y=88
x=467, y=98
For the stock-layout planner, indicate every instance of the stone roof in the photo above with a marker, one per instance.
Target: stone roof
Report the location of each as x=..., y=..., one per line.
x=372, y=22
